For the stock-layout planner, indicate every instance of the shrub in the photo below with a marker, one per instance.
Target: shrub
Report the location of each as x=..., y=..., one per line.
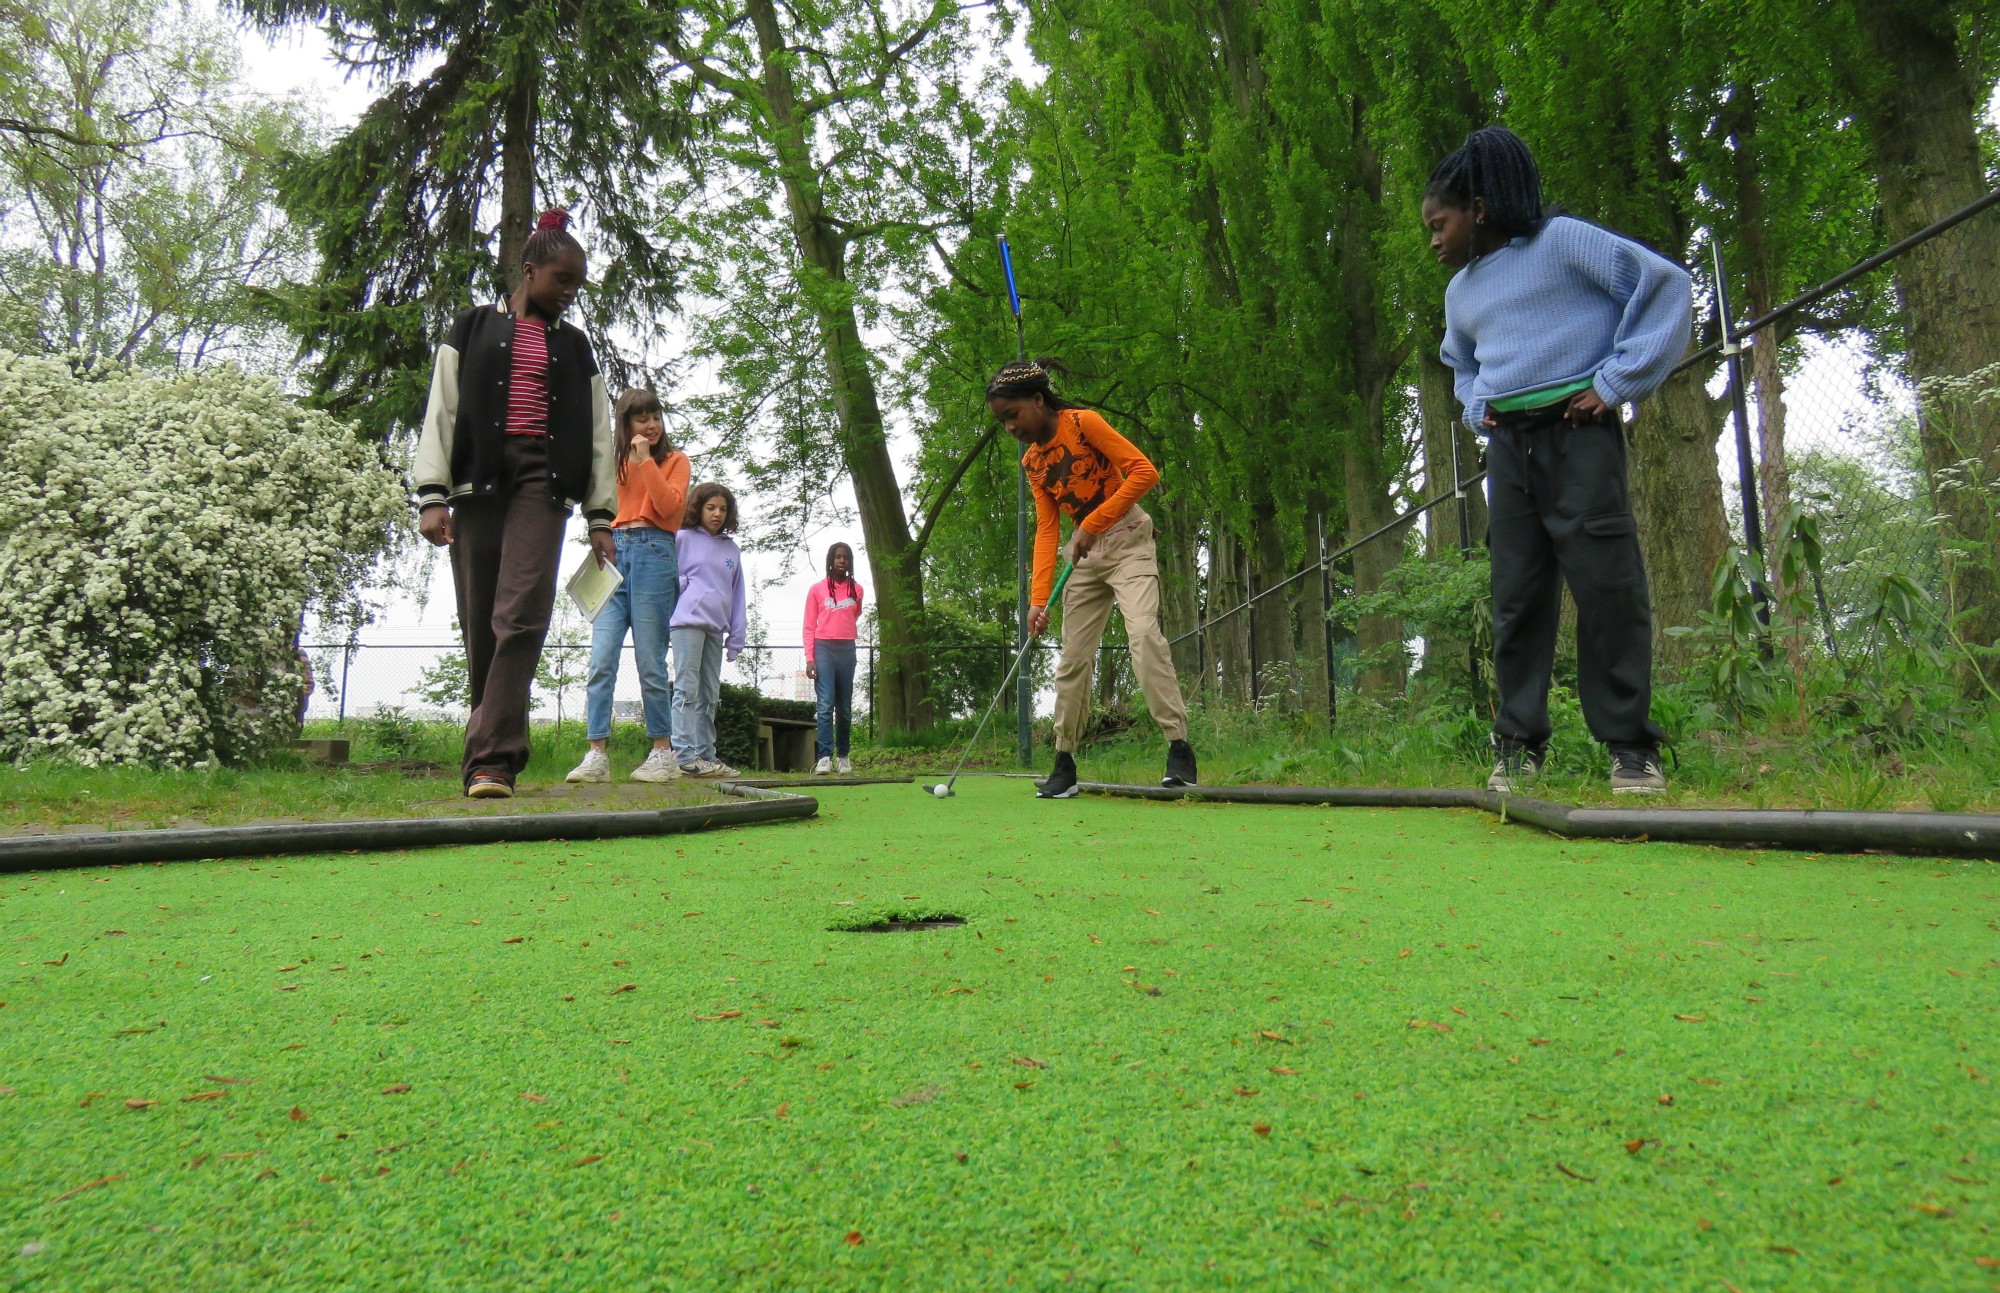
x=161, y=539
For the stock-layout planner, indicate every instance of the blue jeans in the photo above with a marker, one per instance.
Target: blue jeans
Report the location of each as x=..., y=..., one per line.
x=697, y=691
x=644, y=603
x=834, y=662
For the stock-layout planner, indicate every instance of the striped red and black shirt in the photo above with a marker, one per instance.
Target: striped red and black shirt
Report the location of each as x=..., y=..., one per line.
x=528, y=380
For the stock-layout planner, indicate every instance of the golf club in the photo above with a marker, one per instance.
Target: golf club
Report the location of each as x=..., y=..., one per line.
x=943, y=789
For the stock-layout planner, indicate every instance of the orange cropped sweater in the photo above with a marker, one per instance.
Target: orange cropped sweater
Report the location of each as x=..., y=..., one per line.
x=1091, y=474
x=654, y=493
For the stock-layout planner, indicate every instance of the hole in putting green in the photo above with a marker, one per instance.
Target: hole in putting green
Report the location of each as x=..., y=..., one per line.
x=898, y=922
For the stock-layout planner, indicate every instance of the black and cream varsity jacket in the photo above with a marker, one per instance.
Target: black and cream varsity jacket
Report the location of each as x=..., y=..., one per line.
x=458, y=454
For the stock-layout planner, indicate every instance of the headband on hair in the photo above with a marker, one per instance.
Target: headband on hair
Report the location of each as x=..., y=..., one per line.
x=553, y=218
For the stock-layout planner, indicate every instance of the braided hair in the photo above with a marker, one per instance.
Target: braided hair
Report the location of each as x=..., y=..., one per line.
x=1495, y=165
x=833, y=589
x=1025, y=381
x=551, y=238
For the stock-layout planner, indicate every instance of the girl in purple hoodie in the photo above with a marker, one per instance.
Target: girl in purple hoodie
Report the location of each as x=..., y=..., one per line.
x=707, y=624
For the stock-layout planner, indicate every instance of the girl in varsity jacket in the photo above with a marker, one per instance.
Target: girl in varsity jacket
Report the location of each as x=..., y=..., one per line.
x=518, y=428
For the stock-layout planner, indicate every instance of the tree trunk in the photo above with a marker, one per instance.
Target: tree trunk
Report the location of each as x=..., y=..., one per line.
x=1922, y=119
x=1230, y=638
x=1271, y=618
x=1677, y=496
x=517, y=169
x=902, y=693
x=1180, y=574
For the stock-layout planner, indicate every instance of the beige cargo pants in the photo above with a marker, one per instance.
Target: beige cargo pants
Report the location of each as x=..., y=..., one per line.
x=1124, y=567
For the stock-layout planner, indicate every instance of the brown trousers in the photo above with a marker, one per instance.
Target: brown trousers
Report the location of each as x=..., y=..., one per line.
x=1122, y=567
x=504, y=554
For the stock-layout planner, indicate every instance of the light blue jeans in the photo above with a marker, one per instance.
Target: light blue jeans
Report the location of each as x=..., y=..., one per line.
x=644, y=603
x=697, y=691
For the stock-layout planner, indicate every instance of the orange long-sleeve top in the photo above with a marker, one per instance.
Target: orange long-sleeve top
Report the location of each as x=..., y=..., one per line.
x=654, y=493
x=1088, y=472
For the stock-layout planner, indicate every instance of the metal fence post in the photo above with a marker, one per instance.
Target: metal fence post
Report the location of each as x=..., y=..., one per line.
x=346, y=662
x=1256, y=690
x=1326, y=623
x=1746, y=470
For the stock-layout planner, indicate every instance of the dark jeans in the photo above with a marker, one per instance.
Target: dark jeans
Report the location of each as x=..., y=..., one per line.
x=1560, y=511
x=834, y=661
x=504, y=554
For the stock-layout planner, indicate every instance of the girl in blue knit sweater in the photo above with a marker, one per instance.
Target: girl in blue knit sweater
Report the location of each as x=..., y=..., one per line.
x=1551, y=324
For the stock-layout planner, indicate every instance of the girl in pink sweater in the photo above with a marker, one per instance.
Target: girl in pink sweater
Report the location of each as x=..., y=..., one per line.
x=833, y=607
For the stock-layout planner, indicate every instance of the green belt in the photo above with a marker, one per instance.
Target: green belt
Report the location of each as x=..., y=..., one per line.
x=1541, y=398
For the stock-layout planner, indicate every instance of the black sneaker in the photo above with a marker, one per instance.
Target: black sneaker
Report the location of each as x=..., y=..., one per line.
x=1180, y=765
x=1516, y=766
x=1061, y=781
x=1636, y=770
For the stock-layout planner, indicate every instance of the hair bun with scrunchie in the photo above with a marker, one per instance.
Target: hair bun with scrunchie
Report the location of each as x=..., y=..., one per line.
x=553, y=218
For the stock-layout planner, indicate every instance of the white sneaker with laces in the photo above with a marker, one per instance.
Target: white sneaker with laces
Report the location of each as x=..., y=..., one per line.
x=720, y=769
x=823, y=767
x=659, y=766
x=843, y=765
x=595, y=768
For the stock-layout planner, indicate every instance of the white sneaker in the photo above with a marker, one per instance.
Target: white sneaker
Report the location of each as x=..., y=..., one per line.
x=823, y=767
x=659, y=766
x=696, y=768
x=596, y=767
x=843, y=765
x=718, y=768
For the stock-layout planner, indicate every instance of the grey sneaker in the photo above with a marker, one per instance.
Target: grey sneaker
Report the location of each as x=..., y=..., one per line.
x=1516, y=767
x=659, y=766
x=595, y=768
x=843, y=765
x=712, y=768
x=824, y=768
x=1636, y=770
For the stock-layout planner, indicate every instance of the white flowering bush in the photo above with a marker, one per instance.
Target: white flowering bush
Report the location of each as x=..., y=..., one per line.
x=161, y=538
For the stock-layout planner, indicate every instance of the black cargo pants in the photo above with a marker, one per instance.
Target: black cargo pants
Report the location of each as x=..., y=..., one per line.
x=1560, y=510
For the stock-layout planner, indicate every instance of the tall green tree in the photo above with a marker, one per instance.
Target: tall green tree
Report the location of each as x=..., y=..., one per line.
x=424, y=205
x=834, y=165
x=135, y=187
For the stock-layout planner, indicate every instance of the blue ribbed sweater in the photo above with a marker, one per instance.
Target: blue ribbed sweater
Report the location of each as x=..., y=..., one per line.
x=1574, y=301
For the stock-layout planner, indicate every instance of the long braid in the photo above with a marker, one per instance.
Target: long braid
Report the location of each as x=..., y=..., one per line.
x=1493, y=164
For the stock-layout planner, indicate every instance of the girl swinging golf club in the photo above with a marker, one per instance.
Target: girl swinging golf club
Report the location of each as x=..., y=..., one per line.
x=1079, y=466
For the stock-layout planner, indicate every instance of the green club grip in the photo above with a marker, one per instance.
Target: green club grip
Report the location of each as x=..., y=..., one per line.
x=1062, y=577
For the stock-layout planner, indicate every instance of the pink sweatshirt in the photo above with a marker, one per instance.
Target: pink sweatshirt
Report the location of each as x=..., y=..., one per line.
x=831, y=617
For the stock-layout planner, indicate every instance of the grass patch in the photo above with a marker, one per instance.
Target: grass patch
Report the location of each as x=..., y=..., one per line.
x=386, y=778
x=1174, y=1046
x=1770, y=764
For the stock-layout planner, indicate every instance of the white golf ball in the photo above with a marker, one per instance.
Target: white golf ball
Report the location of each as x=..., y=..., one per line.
x=941, y=790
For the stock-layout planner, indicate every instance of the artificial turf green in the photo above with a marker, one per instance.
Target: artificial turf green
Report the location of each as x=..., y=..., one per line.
x=1174, y=1046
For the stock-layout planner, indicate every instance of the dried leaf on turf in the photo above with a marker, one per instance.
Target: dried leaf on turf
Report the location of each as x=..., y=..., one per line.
x=1786, y=1249
x=91, y=1185
x=136, y=1103
x=203, y=1095
x=587, y=1160
x=1028, y=1063
x=1574, y=1176
x=727, y=1014
x=1990, y=1263
x=623, y=987
x=1282, y=1070
x=1666, y=1099
x=1634, y=1146
x=1262, y=1128
x=1932, y=1208
x=1692, y=1019
x=854, y=1239
x=210, y=1077
x=518, y=938
x=538, y=1099
x=783, y=1109
x=1246, y=1091
x=399, y=1088
x=298, y=1114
